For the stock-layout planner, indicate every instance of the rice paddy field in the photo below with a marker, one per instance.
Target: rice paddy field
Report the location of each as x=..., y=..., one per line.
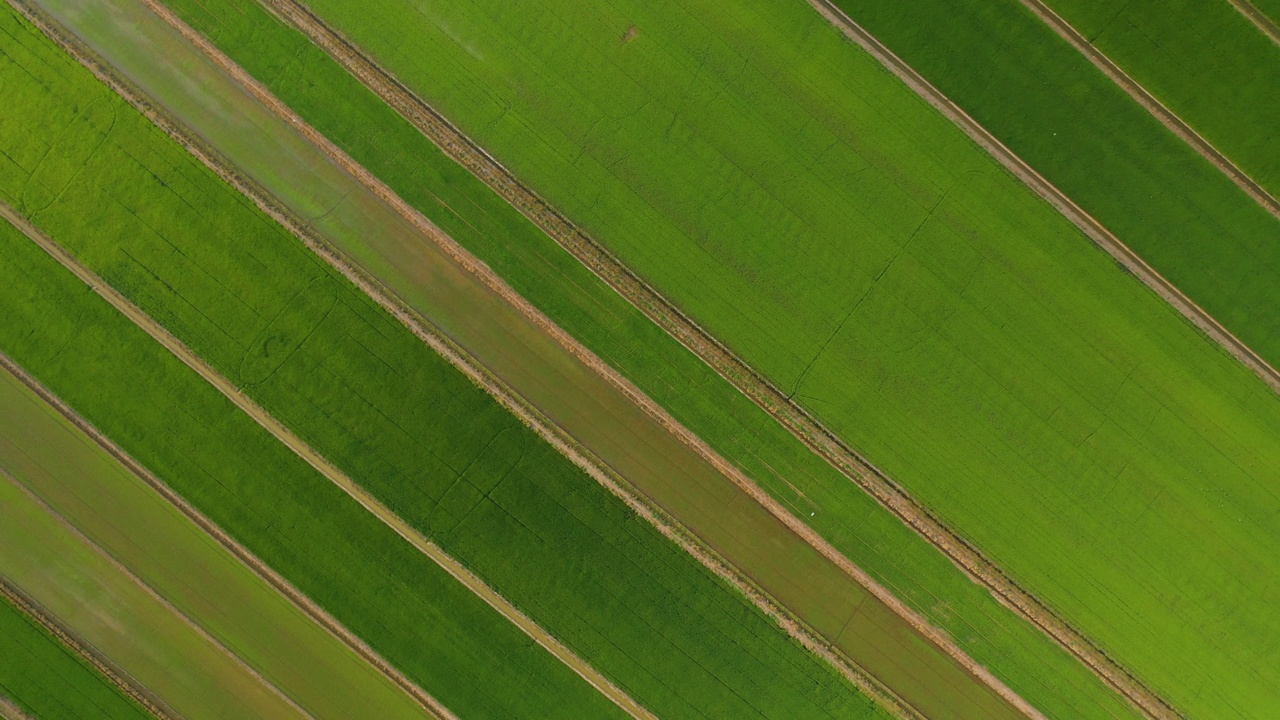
x=406, y=488
x=915, y=297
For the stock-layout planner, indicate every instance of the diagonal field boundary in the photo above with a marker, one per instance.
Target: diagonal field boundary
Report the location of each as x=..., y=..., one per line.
x=309, y=607
x=1262, y=20
x=116, y=676
x=583, y=457
x=789, y=414
x=1158, y=109
x=9, y=710
x=146, y=588
x=334, y=475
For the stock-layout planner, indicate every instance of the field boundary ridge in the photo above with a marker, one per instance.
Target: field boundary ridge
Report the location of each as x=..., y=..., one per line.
x=1259, y=18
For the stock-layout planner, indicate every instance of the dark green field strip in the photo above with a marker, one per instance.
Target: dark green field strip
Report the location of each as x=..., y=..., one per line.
x=1205, y=61
x=328, y=98
x=1073, y=125
x=47, y=680
x=374, y=399
x=856, y=248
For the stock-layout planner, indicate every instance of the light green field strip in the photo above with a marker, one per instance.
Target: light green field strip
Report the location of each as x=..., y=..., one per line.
x=796, y=574
x=924, y=305
x=115, y=614
x=55, y=461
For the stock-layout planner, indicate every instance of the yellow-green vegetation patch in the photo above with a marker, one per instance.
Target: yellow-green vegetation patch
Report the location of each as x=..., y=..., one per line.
x=47, y=680
x=793, y=197
x=374, y=399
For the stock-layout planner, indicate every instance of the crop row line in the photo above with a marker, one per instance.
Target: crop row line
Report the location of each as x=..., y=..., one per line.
x=100, y=662
x=745, y=378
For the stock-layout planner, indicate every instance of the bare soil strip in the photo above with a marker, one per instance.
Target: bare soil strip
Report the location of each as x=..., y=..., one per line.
x=797, y=420
x=1258, y=18
x=100, y=662
x=1154, y=106
x=532, y=417
x=261, y=569
x=164, y=602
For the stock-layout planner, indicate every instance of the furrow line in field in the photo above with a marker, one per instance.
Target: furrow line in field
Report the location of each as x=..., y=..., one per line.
x=796, y=419
x=308, y=607
x=1157, y=109
x=626, y=387
x=118, y=677
x=429, y=334
x=1258, y=18
x=151, y=592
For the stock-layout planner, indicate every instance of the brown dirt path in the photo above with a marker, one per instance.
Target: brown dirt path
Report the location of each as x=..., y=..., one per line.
x=1258, y=18
x=11, y=594
x=261, y=569
x=804, y=426
x=297, y=14
x=334, y=475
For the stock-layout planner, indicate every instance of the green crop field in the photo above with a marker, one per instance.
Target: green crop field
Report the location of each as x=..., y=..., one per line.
x=47, y=680
x=376, y=401
x=1054, y=109
x=1204, y=60
x=769, y=178
x=54, y=461
x=316, y=87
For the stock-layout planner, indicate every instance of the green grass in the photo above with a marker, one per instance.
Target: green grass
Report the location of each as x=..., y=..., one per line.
x=47, y=680
x=854, y=246
x=375, y=400
x=326, y=96
x=1204, y=60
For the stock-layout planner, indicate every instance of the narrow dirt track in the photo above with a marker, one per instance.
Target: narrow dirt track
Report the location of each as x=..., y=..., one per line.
x=1154, y=106
x=797, y=420
x=11, y=594
x=164, y=602
x=581, y=456
x=334, y=475
x=1258, y=18
x=261, y=569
